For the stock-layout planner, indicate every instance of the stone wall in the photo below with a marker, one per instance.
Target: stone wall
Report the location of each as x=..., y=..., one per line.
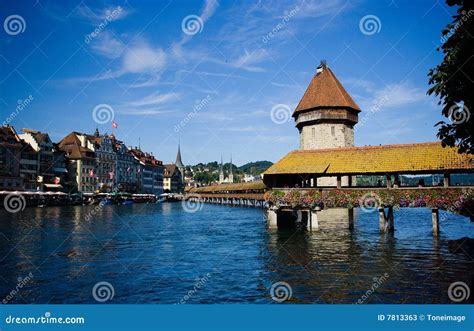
x=326, y=135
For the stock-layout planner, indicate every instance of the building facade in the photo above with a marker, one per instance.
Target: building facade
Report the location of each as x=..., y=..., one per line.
x=80, y=154
x=150, y=172
x=172, y=179
x=106, y=159
x=10, y=154
x=126, y=168
x=50, y=165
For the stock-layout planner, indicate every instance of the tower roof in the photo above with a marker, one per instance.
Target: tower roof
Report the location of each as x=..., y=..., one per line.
x=179, y=162
x=325, y=91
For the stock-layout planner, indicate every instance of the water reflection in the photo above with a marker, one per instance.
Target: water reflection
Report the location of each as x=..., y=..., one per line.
x=156, y=253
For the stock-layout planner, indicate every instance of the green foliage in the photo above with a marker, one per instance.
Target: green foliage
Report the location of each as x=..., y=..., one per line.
x=453, y=80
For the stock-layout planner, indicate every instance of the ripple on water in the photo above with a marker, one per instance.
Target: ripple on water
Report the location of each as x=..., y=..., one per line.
x=158, y=253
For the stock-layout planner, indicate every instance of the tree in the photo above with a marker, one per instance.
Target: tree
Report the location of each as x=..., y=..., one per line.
x=453, y=80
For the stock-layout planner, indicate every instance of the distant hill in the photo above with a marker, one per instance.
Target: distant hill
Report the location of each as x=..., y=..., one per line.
x=255, y=168
x=207, y=173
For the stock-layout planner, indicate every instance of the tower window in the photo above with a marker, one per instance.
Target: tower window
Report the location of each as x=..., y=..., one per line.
x=333, y=131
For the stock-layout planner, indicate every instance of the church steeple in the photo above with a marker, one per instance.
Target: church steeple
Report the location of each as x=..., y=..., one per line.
x=179, y=162
x=231, y=175
x=221, y=172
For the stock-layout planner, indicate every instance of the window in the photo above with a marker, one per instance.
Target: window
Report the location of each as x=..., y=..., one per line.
x=313, y=132
x=333, y=131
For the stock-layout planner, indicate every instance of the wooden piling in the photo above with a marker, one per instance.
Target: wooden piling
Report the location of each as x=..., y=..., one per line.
x=351, y=218
x=435, y=221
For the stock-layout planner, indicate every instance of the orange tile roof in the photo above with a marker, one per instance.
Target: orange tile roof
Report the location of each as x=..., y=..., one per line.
x=406, y=158
x=325, y=91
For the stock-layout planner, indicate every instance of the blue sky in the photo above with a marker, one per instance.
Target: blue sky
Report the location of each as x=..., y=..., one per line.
x=213, y=85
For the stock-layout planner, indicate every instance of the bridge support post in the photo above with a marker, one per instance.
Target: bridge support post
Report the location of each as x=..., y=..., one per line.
x=386, y=223
x=313, y=217
x=351, y=218
x=272, y=217
x=435, y=221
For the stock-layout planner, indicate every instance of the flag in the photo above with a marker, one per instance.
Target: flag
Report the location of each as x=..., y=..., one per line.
x=91, y=173
x=56, y=180
x=111, y=175
x=114, y=125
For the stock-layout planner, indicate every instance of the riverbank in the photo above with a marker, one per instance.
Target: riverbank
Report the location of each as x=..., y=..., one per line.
x=13, y=200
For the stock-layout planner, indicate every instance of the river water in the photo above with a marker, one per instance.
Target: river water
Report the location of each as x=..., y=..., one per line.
x=159, y=253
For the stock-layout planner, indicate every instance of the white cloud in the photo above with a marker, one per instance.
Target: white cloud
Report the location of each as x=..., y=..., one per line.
x=154, y=99
x=399, y=95
x=142, y=58
x=248, y=60
x=95, y=16
x=145, y=111
x=107, y=45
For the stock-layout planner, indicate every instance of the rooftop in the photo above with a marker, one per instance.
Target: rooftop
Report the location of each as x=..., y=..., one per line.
x=402, y=158
x=325, y=91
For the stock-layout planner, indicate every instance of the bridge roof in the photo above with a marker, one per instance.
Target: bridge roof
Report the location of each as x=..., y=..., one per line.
x=325, y=91
x=258, y=185
x=406, y=158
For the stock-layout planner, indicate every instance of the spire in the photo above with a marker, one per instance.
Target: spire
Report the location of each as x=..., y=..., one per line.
x=325, y=92
x=179, y=162
x=231, y=175
x=96, y=133
x=221, y=172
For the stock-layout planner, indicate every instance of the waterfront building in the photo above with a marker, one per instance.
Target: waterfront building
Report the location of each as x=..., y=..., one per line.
x=126, y=168
x=10, y=154
x=80, y=154
x=172, y=179
x=29, y=168
x=150, y=172
x=50, y=165
x=106, y=159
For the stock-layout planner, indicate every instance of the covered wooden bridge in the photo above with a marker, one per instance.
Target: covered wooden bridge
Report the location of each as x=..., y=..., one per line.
x=293, y=182
x=236, y=194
